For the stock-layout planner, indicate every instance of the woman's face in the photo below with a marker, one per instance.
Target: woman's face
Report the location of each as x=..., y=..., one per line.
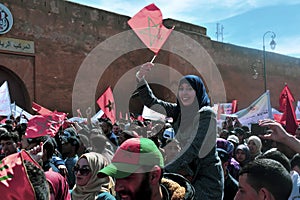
x=252, y=147
x=186, y=94
x=240, y=155
x=82, y=172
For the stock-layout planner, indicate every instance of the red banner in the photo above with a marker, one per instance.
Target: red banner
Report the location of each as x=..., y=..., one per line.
x=40, y=109
x=41, y=125
x=234, y=106
x=14, y=181
x=147, y=24
x=107, y=104
x=284, y=95
x=288, y=117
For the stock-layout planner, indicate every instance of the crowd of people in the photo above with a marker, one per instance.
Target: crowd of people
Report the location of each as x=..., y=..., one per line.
x=189, y=157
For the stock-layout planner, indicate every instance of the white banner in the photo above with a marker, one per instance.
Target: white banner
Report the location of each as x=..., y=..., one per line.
x=258, y=110
x=5, y=109
x=297, y=110
x=152, y=115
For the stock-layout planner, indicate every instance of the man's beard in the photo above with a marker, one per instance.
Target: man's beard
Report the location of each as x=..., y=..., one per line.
x=144, y=192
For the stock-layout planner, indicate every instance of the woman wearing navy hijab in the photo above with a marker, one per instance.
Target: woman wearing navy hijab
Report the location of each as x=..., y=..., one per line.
x=195, y=127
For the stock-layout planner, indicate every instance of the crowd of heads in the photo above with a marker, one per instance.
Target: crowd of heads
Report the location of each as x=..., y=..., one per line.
x=75, y=149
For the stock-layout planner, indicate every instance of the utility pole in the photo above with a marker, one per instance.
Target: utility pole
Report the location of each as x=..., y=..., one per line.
x=219, y=32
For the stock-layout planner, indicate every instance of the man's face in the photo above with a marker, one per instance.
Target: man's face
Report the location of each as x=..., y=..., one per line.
x=115, y=129
x=8, y=147
x=105, y=128
x=134, y=187
x=245, y=192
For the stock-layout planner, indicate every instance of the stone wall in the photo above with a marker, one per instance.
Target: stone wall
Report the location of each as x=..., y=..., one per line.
x=79, y=51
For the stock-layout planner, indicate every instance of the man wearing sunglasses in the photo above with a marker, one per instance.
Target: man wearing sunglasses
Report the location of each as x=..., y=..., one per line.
x=137, y=167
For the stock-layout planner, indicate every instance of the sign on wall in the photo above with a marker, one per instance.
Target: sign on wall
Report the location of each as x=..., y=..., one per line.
x=6, y=19
x=16, y=45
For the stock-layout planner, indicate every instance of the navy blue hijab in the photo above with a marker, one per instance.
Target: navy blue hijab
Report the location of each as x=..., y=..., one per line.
x=186, y=114
x=199, y=87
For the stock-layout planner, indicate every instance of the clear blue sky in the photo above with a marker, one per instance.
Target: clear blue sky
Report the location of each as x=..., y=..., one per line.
x=244, y=21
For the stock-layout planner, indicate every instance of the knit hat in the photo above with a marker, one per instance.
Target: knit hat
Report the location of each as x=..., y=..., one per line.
x=130, y=156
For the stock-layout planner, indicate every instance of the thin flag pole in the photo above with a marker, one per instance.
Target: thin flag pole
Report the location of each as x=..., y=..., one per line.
x=153, y=58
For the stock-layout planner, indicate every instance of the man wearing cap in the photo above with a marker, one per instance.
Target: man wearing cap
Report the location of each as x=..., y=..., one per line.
x=137, y=167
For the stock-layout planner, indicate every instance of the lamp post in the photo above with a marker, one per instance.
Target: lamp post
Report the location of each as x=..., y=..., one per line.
x=272, y=45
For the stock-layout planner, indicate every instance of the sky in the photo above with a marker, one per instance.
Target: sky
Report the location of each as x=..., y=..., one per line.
x=244, y=22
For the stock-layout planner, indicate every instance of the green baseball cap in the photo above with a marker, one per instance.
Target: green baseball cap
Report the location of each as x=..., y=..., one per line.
x=133, y=154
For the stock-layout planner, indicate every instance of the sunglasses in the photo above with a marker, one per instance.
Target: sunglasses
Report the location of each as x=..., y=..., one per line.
x=83, y=171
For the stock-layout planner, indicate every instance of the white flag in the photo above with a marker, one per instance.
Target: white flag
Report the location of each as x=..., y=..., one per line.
x=297, y=111
x=20, y=111
x=5, y=109
x=98, y=115
x=258, y=110
x=152, y=115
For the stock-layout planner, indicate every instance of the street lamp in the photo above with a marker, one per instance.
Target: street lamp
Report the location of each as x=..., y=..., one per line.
x=272, y=45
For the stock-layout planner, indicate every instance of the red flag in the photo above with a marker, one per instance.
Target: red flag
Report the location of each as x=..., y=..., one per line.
x=41, y=125
x=284, y=95
x=14, y=181
x=107, y=104
x=147, y=24
x=234, y=106
x=40, y=109
x=289, y=117
x=140, y=118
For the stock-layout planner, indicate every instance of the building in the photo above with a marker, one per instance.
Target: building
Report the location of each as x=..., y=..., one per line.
x=64, y=55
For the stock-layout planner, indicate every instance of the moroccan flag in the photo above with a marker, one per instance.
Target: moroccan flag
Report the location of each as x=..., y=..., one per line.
x=147, y=24
x=284, y=95
x=41, y=125
x=107, y=104
x=40, y=109
x=288, y=117
x=234, y=106
x=14, y=181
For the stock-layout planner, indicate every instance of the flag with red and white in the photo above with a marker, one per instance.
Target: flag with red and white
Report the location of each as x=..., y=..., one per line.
x=106, y=103
x=40, y=109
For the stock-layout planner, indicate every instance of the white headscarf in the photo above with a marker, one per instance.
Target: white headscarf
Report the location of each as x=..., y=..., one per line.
x=93, y=187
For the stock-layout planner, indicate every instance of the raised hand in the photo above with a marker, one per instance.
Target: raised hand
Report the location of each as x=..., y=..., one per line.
x=144, y=70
